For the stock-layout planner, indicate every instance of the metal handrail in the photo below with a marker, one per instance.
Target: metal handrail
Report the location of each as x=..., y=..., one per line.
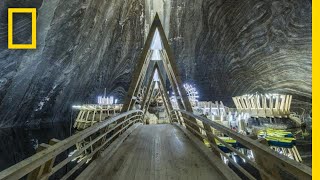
x=268, y=162
x=28, y=165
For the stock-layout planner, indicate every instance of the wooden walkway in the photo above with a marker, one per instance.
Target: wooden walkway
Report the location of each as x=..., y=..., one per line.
x=131, y=150
x=155, y=152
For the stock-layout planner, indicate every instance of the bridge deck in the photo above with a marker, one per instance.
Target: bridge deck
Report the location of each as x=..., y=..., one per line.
x=155, y=152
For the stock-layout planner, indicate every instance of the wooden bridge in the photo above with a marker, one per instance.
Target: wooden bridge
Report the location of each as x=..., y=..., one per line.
x=125, y=146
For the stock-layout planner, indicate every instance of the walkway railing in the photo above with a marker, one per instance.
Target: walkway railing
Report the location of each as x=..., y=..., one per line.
x=270, y=164
x=94, y=139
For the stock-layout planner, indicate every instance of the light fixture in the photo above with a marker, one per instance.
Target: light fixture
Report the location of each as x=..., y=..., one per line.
x=106, y=100
x=76, y=106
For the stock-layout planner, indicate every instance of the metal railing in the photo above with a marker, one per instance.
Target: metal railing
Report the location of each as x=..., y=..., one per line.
x=269, y=164
x=42, y=165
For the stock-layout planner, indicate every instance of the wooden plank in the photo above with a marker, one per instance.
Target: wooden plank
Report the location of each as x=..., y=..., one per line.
x=172, y=82
x=49, y=164
x=166, y=101
x=269, y=108
x=213, y=158
x=276, y=112
x=243, y=103
x=36, y=174
x=236, y=102
x=166, y=106
x=141, y=80
x=150, y=80
x=106, y=155
x=282, y=104
x=145, y=109
x=248, y=104
x=289, y=104
x=150, y=152
x=162, y=85
x=254, y=106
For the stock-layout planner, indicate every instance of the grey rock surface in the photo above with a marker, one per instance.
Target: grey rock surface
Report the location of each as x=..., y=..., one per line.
x=83, y=47
x=230, y=48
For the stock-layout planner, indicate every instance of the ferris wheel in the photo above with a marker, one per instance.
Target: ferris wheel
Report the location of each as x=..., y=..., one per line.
x=192, y=94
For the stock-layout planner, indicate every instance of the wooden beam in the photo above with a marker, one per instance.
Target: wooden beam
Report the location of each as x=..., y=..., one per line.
x=150, y=80
x=165, y=101
x=173, y=83
x=145, y=109
x=138, y=69
x=164, y=94
x=141, y=79
x=36, y=174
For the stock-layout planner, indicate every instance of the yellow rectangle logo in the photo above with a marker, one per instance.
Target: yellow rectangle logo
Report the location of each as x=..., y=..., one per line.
x=33, y=12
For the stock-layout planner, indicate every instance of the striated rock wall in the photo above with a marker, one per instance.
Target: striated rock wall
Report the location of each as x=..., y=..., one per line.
x=163, y=8
x=83, y=47
x=225, y=47
x=236, y=47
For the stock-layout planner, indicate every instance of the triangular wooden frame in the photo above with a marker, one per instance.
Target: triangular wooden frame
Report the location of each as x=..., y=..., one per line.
x=170, y=67
x=161, y=85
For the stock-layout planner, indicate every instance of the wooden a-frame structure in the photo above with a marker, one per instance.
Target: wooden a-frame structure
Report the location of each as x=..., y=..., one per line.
x=156, y=45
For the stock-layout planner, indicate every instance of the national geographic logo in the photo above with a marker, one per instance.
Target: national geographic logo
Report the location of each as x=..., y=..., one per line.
x=33, y=12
